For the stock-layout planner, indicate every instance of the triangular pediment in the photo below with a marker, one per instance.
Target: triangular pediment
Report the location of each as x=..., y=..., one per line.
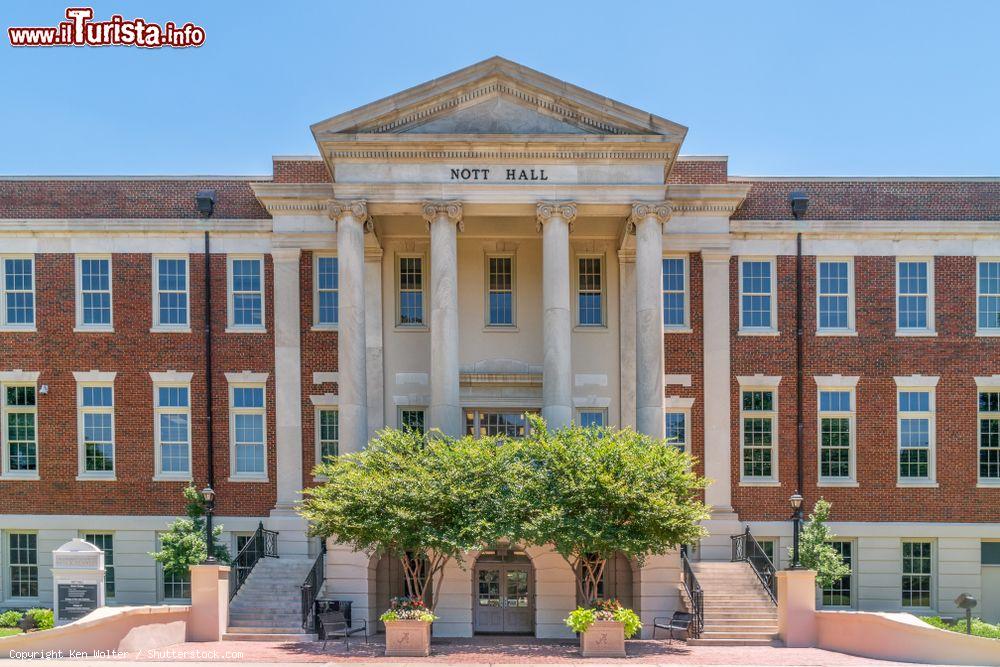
x=498, y=97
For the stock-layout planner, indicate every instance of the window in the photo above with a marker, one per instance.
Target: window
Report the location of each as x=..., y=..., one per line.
x=246, y=292
x=590, y=293
x=328, y=434
x=989, y=553
x=172, y=404
x=170, y=300
x=988, y=297
x=17, y=292
x=840, y=593
x=411, y=291
x=836, y=435
x=411, y=418
x=676, y=430
x=596, y=418
x=757, y=298
x=500, y=291
x=767, y=546
x=914, y=296
x=510, y=423
x=106, y=543
x=97, y=429
x=915, y=427
x=176, y=585
x=758, y=436
x=93, y=293
x=835, y=296
x=989, y=436
x=327, y=302
x=917, y=574
x=19, y=431
x=23, y=560
x=675, y=287
x=247, y=431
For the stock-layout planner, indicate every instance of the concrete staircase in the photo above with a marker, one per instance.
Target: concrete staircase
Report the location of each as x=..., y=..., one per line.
x=268, y=606
x=738, y=611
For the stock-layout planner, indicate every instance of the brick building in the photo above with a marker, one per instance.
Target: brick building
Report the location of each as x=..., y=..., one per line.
x=493, y=242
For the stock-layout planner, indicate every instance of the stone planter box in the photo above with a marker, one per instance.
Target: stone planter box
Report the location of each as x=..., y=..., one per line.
x=603, y=639
x=407, y=639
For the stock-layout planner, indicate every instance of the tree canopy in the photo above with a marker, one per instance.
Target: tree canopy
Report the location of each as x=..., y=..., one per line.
x=815, y=550
x=183, y=544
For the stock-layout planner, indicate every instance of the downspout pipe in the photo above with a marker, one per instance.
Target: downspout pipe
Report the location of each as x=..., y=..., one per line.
x=210, y=440
x=800, y=425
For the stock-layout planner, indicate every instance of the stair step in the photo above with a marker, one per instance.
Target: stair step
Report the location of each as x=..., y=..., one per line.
x=744, y=622
x=736, y=634
x=733, y=642
x=239, y=636
x=266, y=629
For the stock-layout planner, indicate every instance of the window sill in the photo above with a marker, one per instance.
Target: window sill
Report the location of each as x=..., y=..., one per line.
x=987, y=333
x=843, y=483
x=590, y=328
x=7, y=329
x=242, y=479
x=921, y=333
x=324, y=327
x=988, y=484
x=677, y=330
x=179, y=330
x=758, y=332
x=85, y=329
x=404, y=328
x=926, y=484
x=11, y=477
x=501, y=328
x=762, y=482
x=90, y=477
x=169, y=478
x=245, y=330
x=836, y=332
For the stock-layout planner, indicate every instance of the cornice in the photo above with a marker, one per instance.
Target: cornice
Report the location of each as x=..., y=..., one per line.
x=179, y=226
x=890, y=229
x=709, y=198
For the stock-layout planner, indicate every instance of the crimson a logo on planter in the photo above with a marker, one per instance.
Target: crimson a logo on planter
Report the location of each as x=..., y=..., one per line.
x=81, y=30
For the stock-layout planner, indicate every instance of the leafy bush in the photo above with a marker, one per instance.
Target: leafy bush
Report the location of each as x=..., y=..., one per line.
x=407, y=609
x=44, y=618
x=980, y=628
x=581, y=618
x=10, y=619
x=183, y=545
x=815, y=550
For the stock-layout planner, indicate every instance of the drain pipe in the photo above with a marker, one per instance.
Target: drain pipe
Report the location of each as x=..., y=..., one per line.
x=206, y=205
x=800, y=203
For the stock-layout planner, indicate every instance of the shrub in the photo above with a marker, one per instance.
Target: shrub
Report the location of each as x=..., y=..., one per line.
x=44, y=618
x=581, y=618
x=407, y=609
x=980, y=628
x=10, y=619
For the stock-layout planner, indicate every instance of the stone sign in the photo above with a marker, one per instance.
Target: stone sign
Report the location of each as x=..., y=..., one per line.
x=78, y=576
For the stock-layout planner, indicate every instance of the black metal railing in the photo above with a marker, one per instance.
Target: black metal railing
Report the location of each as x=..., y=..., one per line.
x=746, y=548
x=263, y=544
x=695, y=595
x=310, y=589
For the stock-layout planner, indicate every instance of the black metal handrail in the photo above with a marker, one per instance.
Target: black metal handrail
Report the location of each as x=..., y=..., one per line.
x=263, y=544
x=747, y=548
x=695, y=595
x=310, y=590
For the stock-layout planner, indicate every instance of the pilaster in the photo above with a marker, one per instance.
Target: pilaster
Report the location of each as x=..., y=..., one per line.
x=287, y=376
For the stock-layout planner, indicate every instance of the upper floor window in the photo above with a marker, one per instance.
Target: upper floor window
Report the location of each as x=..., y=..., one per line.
x=836, y=435
x=835, y=296
x=19, y=435
x=327, y=297
x=500, y=290
x=412, y=418
x=914, y=296
x=509, y=423
x=410, y=279
x=93, y=292
x=590, y=291
x=327, y=434
x=675, y=290
x=988, y=296
x=757, y=296
x=676, y=431
x=173, y=430
x=17, y=292
x=96, y=403
x=758, y=433
x=247, y=428
x=592, y=417
x=915, y=433
x=170, y=298
x=246, y=292
x=989, y=436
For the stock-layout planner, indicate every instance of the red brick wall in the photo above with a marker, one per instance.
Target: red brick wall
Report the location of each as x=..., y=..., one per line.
x=698, y=171
x=876, y=355
x=300, y=171
x=133, y=351
x=684, y=355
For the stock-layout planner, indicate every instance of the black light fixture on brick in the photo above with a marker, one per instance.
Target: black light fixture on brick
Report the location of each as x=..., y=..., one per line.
x=800, y=203
x=205, y=199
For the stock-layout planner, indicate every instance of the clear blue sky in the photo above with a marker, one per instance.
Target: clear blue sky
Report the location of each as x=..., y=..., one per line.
x=784, y=88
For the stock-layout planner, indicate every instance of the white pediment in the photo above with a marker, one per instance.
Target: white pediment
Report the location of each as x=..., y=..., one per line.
x=496, y=115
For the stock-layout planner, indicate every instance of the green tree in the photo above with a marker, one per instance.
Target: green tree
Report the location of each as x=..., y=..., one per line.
x=815, y=550
x=425, y=500
x=595, y=492
x=183, y=544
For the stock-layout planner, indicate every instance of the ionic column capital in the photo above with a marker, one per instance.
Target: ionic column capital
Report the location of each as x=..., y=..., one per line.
x=337, y=209
x=644, y=210
x=432, y=210
x=546, y=210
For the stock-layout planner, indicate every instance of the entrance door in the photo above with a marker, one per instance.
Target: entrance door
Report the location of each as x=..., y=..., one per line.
x=504, y=601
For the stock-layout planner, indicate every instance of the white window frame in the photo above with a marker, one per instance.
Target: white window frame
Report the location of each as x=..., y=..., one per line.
x=685, y=326
x=5, y=410
x=837, y=383
x=166, y=381
x=317, y=325
x=80, y=324
x=984, y=331
x=158, y=327
x=988, y=384
x=932, y=588
x=929, y=330
x=318, y=430
x=851, y=329
x=853, y=592
x=108, y=567
x=400, y=409
x=246, y=381
x=424, y=324
x=232, y=327
x=761, y=383
x=680, y=406
x=7, y=578
x=512, y=256
x=86, y=380
x=602, y=258
x=758, y=331
x=161, y=579
x=4, y=324
x=928, y=384
x=578, y=417
x=479, y=411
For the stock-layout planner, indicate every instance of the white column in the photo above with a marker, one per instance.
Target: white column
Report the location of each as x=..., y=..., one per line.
x=626, y=342
x=444, y=219
x=554, y=221
x=287, y=376
x=352, y=385
x=648, y=219
x=715, y=309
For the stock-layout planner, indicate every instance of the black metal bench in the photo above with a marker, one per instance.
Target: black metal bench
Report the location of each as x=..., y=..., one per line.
x=680, y=622
x=333, y=624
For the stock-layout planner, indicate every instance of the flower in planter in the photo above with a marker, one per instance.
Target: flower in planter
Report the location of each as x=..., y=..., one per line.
x=405, y=608
x=581, y=618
